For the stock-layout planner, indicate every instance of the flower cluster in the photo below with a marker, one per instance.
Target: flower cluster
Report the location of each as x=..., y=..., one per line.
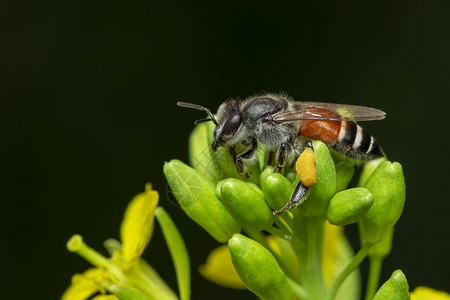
x=302, y=253
x=125, y=275
x=299, y=254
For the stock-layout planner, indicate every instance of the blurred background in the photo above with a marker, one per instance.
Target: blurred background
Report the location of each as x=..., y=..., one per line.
x=88, y=116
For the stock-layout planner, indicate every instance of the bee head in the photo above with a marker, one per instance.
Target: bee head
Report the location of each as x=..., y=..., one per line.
x=229, y=118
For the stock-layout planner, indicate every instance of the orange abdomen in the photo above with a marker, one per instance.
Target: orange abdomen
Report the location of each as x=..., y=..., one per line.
x=323, y=130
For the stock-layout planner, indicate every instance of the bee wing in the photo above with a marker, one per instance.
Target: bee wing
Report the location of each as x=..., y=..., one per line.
x=328, y=111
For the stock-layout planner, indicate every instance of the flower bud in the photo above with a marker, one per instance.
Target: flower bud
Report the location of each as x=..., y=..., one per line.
x=276, y=188
x=348, y=206
x=368, y=168
x=396, y=288
x=387, y=186
x=245, y=204
x=383, y=247
x=201, y=156
x=196, y=196
x=325, y=187
x=258, y=269
x=344, y=174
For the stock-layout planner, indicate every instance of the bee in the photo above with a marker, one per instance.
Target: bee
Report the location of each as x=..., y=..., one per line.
x=286, y=127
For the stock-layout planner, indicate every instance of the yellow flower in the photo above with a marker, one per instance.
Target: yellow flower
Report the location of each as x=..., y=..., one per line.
x=220, y=270
x=336, y=255
x=124, y=270
x=86, y=284
x=426, y=293
x=137, y=225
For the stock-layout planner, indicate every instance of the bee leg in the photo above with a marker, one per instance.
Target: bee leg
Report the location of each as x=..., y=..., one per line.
x=239, y=160
x=307, y=179
x=305, y=165
x=239, y=163
x=280, y=158
x=298, y=196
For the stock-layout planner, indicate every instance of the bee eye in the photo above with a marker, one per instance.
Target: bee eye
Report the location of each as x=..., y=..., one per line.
x=232, y=124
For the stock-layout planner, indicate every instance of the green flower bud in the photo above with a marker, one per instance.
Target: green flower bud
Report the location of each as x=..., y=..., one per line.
x=368, y=168
x=325, y=187
x=225, y=163
x=245, y=204
x=276, y=188
x=256, y=188
x=348, y=206
x=383, y=247
x=201, y=157
x=396, y=288
x=344, y=174
x=217, y=191
x=387, y=185
x=196, y=196
x=258, y=269
x=215, y=165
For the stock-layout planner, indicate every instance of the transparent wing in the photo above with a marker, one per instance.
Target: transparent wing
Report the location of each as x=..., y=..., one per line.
x=328, y=111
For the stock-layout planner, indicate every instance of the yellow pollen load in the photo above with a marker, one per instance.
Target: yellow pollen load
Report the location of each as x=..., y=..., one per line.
x=306, y=167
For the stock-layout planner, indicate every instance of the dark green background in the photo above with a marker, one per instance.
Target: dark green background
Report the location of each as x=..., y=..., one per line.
x=88, y=116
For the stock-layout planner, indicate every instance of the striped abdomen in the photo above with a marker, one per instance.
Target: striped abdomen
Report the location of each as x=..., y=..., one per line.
x=345, y=137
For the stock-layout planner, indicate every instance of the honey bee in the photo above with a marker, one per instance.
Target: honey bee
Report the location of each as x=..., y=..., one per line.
x=287, y=127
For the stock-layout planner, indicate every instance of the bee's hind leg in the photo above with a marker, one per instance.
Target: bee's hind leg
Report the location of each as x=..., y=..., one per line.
x=307, y=175
x=298, y=196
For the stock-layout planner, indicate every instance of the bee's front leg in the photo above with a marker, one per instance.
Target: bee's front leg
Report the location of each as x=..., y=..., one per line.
x=241, y=158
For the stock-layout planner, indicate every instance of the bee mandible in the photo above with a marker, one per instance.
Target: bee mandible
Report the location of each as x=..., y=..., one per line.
x=287, y=127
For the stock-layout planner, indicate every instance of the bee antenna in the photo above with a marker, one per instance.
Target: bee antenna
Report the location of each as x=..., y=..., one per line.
x=199, y=107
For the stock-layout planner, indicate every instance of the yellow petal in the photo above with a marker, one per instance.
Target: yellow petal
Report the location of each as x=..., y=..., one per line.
x=84, y=285
x=337, y=254
x=220, y=270
x=105, y=297
x=137, y=224
x=426, y=293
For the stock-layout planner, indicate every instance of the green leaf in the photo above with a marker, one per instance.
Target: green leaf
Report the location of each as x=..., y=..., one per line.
x=196, y=196
x=258, y=269
x=178, y=251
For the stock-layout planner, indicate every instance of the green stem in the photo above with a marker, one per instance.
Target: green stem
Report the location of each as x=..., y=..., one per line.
x=310, y=258
x=374, y=275
x=281, y=223
x=298, y=290
x=359, y=257
x=279, y=232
